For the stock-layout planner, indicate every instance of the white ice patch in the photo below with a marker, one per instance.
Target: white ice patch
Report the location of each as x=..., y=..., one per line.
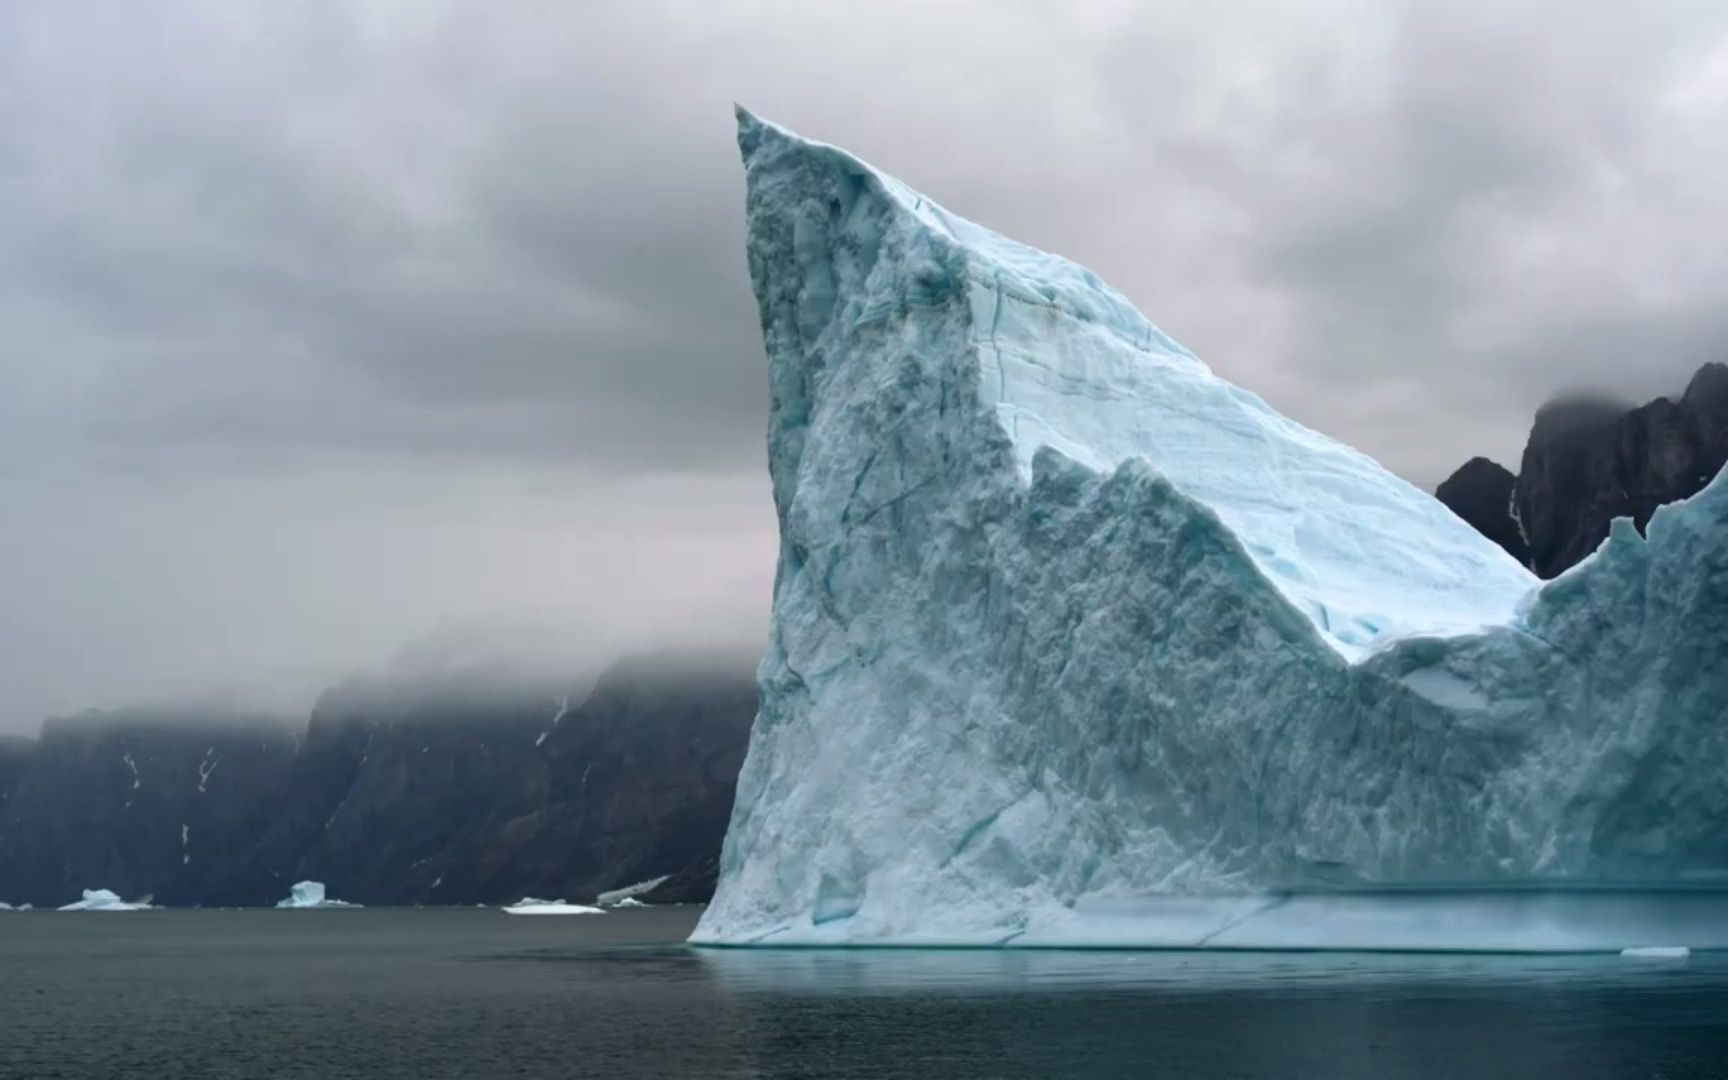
x=562, y=706
x=310, y=894
x=530, y=905
x=206, y=767
x=1656, y=952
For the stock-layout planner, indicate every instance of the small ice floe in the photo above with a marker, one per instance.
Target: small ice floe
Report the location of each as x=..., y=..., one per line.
x=102, y=900
x=629, y=901
x=1656, y=952
x=530, y=905
x=310, y=894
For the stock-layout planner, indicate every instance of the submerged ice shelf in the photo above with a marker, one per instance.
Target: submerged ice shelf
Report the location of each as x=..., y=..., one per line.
x=1074, y=642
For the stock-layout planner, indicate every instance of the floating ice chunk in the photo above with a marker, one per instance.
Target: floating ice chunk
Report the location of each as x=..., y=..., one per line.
x=530, y=905
x=310, y=894
x=103, y=900
x=1656, y=952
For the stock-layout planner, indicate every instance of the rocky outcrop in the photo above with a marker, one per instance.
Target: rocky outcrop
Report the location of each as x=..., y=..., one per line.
x=1588, y=462
x=1481, y=494
x=437, y=792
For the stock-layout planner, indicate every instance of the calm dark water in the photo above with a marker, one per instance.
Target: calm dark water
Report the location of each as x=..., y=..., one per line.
x=429, y=994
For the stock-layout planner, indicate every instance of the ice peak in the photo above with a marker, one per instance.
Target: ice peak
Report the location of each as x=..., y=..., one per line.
x=1066, y=362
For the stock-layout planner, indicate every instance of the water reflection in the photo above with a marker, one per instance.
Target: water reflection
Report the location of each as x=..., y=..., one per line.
x=852, y=971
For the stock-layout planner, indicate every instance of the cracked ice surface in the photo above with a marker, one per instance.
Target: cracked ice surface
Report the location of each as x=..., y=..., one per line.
x=1075, y=642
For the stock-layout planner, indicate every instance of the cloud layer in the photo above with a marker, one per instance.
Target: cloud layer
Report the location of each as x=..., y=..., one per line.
x=330, y=324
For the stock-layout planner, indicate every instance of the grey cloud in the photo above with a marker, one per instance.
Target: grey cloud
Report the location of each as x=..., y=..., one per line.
x=439, y=308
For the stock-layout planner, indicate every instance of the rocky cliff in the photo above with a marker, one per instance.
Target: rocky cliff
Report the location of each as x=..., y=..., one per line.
x=1588, y=462
x=432, y=792
x=15, y=755
x=1481, y=493
x=140, y=802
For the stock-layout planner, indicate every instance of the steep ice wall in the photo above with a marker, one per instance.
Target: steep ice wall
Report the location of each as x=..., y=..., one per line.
x=1074, y=641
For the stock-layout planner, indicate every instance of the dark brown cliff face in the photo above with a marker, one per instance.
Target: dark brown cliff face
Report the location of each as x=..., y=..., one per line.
x=436, y=793
x=1587, y=463
x=138, y=802
x=15, y=756
x=1481, y=494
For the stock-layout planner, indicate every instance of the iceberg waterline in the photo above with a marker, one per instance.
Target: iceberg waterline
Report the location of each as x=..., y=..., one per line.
x=1075, y=643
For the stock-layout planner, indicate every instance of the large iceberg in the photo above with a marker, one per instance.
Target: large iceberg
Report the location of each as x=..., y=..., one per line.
x=1074, y=642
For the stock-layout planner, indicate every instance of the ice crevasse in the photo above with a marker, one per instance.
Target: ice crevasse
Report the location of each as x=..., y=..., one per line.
x=1075, y=643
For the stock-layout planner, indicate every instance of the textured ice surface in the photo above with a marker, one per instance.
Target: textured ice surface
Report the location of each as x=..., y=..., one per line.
x=530, y=905
x=310, y=894
x=102, y=900
x=1073, y=641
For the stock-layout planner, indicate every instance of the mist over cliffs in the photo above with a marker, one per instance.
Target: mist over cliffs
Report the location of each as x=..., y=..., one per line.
x=441, y=791
x=1589, y=461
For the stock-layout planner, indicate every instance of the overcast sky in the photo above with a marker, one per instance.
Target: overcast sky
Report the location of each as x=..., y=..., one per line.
x=329, y=327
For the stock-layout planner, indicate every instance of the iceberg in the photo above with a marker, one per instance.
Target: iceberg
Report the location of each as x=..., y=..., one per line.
x=310, y=894
x=1075, y=643
x=103, y=900
x=529, y=905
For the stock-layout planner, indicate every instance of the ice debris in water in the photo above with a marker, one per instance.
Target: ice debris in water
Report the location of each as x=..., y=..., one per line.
x=1075, y=642
x=310, y=894
x=102, y=900
x=530, y=905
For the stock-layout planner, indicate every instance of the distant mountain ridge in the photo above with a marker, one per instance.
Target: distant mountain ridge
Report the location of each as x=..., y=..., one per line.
x=1588, y=462
x=392, y=795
